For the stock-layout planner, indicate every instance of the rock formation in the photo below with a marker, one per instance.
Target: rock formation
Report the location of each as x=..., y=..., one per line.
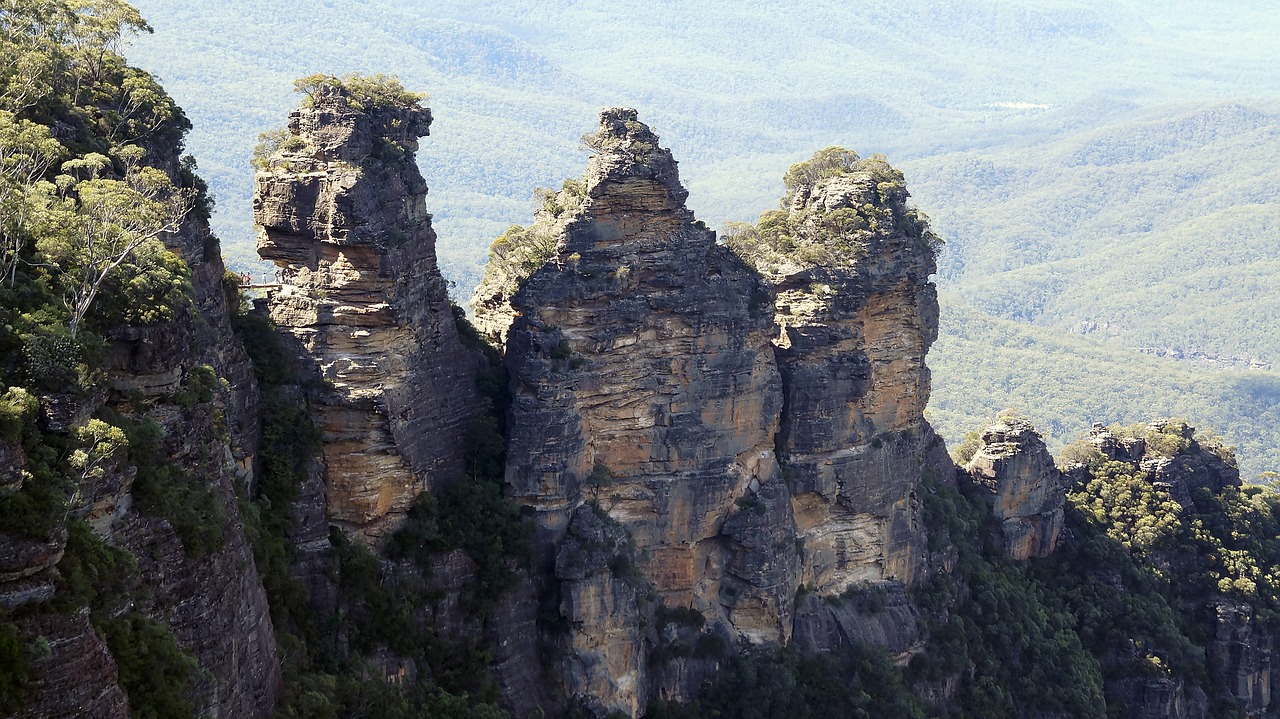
x=1017, y=475
x=651, y=379
x=857, y=314
x=1189, y=481
x=644, y=380
x=342, y=212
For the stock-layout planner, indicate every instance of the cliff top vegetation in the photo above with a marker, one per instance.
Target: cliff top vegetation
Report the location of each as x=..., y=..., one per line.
x=834, y=206
x=362, y=92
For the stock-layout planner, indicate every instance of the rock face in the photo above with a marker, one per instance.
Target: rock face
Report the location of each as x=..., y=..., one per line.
x=77, y=678
x=857, y=314
x=1025, y=488
x=342, y=210
x=213, y=603
x=643, y=378
x=651, y=379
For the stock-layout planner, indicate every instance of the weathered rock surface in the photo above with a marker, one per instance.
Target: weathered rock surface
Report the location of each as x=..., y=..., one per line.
x=606, y=655
x=214, y=604
x=643, y=377
x=12, y=464
x=1243, y=648
x=651, y=378
x=1018, y=476
x=854, y=331
x=877, y=615
x=343, y=213
x=1158, y=698
x=76, y=678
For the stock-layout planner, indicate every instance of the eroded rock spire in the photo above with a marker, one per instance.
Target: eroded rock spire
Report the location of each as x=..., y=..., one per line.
x=341, y=208
x=646, y=394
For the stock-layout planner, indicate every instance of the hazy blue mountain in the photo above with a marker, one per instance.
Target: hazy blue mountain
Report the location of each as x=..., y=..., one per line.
x=1104, y=172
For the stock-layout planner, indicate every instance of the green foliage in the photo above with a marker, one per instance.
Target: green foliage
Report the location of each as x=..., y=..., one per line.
x=91, y=228
x=36, y=511
x=989, y=614
x=363, y=92
x=383, y=610
x=53, y=360
x=600, y=479
x=289, y=442
x=800, y=235
x=13, y=669
x=1118, y=604
x=473, y=515
x=152, y=669
x=94, y=574
x=826, y=163
x=151, y=286
x=1137, y=513
x=854, y=681
x=18, y=409
x=363, y=693
x=521, y=251
x=1223, y=542
x=84, y=210
x=185, y=496
x=272, y=142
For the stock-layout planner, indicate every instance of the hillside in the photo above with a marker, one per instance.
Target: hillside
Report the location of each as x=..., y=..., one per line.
x=1105, y=168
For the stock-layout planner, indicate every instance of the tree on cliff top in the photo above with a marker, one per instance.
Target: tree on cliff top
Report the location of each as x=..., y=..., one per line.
x=363, y=92
x=827, y=162
x=93, y=227
x=804, y=234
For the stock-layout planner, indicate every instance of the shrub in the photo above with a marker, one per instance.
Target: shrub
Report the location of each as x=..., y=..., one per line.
x=183, y=496
x=152, y=669
x=18, y=409
x=363, y=92
x=13, y=669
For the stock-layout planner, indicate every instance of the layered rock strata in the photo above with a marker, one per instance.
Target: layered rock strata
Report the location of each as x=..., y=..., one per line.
x=653, y=380
x=644, y=380
x=213, y=603
x=856, y=314
x=1026, y=491
x=342, y=211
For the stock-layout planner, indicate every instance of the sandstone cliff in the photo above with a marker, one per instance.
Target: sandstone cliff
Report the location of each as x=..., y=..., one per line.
x=162, y=512
x=856, y=313
x=653, y=379
x=643, y=379
x=342, y=211
x=1017, y=475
